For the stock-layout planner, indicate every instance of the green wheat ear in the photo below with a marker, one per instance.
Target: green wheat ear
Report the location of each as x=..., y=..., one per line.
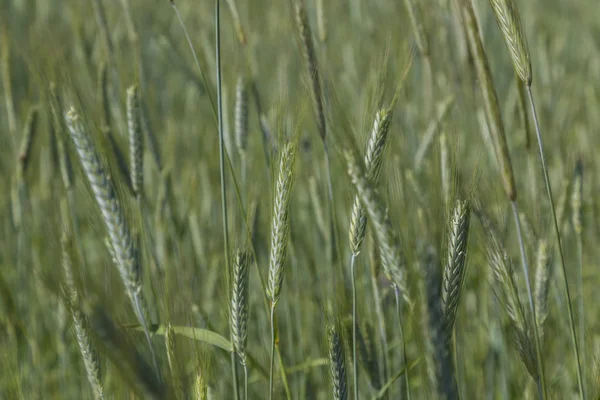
x=509, y=21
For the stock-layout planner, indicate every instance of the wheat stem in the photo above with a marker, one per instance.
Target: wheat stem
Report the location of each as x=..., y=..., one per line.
x=354, y=361
x=272, y=364
x=538, y=350
x=558, y=241
x=402, y=338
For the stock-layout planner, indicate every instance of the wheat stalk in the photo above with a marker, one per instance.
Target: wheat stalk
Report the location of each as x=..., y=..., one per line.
x=577, y=221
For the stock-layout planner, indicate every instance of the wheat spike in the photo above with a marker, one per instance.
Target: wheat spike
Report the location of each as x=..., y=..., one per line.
x=509, y=21
x=373, y=161
x=392, y=256
x=112, y=212
x=121, y=241
x=280, y=221
x=239, y=304
x=454, y=272
x=508, y=294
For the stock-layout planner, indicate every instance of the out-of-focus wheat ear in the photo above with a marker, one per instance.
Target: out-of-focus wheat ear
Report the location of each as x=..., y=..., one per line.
x=562, y=205
x=64, y=161
x=173, y=365
x=508, y=294
x=280, y=226
x=321, y=21
x=239, y=30
x=241, y=127
x=8, y=95
x=82, y=333
x=523, y=110
x=394, y=264
x=368, y=355
x=445, y=167
x=543, y=275
x=153, y=145
x=509, y=21
x=418, y=29
x=103, y=98
x=103, y=27
x=373, y=162
x=455, y=269
x=29, y=132
x=125, y=254
x=106, y=124
x=136, y=149
x=310, y=59
x=576, y=199
x=200, y=387
x=490, y=99
x=241, y=116
x=239, y=304
x=337, y=363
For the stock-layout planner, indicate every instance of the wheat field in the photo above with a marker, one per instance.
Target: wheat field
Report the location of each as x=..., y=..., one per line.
x=304, y=199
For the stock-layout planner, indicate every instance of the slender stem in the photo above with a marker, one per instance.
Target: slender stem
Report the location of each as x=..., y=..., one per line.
x=189, y=40
x=581, y=309
x=334, y=236
x=354, y=361
x=272, y=352
x=222, y=172
x=245, y=382
x=538, y=349
x=406, y=378
x=558, y=241
x=381, y=324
